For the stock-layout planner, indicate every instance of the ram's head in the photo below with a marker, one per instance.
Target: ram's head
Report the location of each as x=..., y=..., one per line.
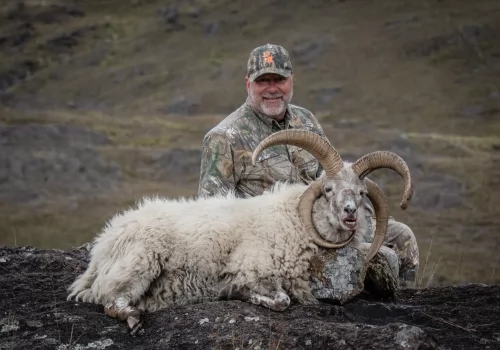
x=343, y=185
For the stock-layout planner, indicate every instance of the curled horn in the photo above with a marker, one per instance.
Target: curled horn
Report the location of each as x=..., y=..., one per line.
x=380, y=205
x=382, y=159
x=329, y=159
x=319, y=147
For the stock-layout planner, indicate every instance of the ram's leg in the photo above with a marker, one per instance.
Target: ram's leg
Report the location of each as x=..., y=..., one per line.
x=122, y=311
x=276, y=300
x=125, y=285
x=301, y=291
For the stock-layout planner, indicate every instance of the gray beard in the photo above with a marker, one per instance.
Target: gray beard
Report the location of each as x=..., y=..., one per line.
x=270, y=111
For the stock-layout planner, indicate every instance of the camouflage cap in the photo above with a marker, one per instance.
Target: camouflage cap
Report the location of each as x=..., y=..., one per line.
x=269, y=59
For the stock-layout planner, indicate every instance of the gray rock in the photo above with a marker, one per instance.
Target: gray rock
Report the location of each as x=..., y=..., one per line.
x=9, y=324
x=338, y=276
x=408, y=337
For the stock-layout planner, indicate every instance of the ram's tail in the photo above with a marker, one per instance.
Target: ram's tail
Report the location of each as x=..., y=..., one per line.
x=81, y=288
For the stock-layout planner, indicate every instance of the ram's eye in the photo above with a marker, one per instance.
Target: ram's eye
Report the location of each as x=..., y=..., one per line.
x=328, y=189
x=362, y=193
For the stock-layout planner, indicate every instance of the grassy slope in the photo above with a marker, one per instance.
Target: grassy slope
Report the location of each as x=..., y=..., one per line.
x=400, y=65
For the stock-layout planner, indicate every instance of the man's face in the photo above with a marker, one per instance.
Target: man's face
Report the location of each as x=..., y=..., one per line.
x=270, y=94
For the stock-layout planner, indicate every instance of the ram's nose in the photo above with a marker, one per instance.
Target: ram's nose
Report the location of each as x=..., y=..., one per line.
x=349, y=209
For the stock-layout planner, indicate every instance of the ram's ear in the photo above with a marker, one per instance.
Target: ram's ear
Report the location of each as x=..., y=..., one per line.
x=320, y=171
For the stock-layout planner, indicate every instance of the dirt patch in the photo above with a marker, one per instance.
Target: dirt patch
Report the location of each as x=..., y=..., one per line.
x=16, y=73
x=22, y=27
x=175, y=165
x=66, y=42
x=50, y=136
x=17, y=36
x=47, y=14
x=26, y=175
x=35, y=315
x=466, y=37
x=37, y=161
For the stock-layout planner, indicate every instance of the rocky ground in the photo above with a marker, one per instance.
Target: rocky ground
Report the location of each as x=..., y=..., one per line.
x=34, y=314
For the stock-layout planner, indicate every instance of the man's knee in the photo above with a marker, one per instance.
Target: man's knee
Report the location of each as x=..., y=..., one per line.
x=402, y=240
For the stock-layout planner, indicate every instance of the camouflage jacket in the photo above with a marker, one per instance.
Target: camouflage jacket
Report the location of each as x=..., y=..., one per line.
x=226, y=162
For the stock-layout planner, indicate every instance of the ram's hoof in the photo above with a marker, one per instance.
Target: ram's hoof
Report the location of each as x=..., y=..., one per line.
x=123, y=312
x=135, y=322
x=276, y=301
x=281, y=301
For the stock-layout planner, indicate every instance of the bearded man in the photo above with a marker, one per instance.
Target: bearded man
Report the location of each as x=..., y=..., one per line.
x=226, y=163
x=227, y=148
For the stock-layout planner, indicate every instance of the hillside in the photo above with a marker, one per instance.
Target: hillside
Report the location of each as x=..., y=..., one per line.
x=102, y=102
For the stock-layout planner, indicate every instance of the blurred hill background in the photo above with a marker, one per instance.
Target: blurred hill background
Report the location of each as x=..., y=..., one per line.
x=104, y=101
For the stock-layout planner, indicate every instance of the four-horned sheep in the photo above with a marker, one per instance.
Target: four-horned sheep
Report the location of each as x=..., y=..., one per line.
x=187, y=250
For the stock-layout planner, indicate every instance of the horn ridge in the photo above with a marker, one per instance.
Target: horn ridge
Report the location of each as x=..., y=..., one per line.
x=381, y=207
x=311, y=142
x=385, y=159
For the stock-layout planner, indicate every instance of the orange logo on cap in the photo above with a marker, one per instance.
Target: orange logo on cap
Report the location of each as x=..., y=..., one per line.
x=268, y=57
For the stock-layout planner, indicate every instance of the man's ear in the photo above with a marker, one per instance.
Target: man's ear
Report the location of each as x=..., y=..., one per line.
x=247, y=82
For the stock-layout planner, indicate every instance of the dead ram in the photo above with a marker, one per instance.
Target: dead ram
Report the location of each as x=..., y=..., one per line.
x=181, y=251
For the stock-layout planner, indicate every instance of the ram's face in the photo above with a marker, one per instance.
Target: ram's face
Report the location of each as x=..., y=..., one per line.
x=345, y=199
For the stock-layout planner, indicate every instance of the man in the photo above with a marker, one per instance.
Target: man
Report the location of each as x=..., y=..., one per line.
x=227, y=148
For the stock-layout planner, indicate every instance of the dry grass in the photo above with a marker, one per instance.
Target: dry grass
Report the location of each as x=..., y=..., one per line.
x=59, y=224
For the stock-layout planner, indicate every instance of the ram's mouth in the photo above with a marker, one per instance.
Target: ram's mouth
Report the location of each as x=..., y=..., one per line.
x=350, y=223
